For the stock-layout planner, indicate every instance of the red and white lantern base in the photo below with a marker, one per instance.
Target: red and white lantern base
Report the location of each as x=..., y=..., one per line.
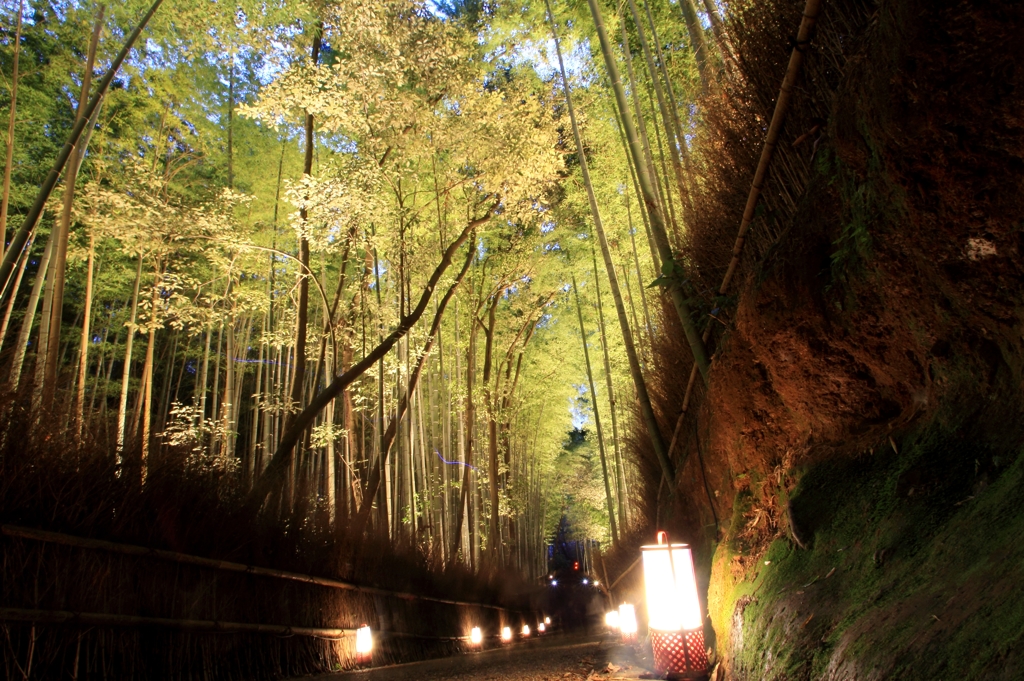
x=680, y=654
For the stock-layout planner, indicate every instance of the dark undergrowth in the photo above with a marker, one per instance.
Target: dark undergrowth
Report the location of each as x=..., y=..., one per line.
x=189, y=504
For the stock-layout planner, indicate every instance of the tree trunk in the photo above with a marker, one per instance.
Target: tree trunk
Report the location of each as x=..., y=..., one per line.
x=718, y=28
x=597, y=415
x=373, y=484
x=147, y=381
x=494, y=537
x=620, y=483
x=696, y=32
x=126, y=367
x=282, y=458
x=670, y=267
x=83, y=353
x=9, y=161
x=14, y=378
x=58, y=262
x=302, y=313
x=18, y=242
x=14, y=293
x=646, y=408
x=671, y=134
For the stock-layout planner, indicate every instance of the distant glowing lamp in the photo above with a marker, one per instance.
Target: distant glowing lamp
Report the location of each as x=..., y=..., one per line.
x=475, y=636
x=541, y=628
x=627, y=622
x=554, y=582
x=586, y=581
x=611, y=619
x=526, y=630
x=576, y=565
x=547, y=620
x=506, y=634
x=673, y=609
x=364, y=645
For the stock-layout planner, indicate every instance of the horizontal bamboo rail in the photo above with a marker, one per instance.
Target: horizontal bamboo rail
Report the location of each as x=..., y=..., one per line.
x=174, y=556
x=102, y=619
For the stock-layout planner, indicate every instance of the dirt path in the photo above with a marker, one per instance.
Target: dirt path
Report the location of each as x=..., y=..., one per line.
x=556, y=658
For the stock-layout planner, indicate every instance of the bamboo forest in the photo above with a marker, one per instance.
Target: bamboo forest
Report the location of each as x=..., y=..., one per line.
x=339, y=335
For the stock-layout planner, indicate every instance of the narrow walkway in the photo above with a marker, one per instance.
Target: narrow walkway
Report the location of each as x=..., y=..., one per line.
x=561, y=658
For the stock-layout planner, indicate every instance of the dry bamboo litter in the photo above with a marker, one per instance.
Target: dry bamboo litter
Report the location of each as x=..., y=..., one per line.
x=782, y=104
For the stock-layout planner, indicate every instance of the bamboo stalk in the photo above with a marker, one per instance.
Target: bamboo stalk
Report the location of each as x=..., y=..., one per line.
x=646, y=408
x=670, y=266
x=9, y=161
x=597, y=413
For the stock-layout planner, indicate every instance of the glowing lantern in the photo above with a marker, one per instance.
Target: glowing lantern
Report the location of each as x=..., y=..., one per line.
x=611, y=619
x=475, y=636
x=627, y=622
x=506, y=634
x=673, y=609
x=541, y=628
x=547, y=620
x=364, y=645
x=526, y=630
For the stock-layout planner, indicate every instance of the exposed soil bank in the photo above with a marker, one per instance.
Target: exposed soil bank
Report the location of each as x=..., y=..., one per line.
x=864, y=420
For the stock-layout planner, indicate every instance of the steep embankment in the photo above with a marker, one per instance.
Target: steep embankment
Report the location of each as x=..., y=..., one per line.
x=866, y=407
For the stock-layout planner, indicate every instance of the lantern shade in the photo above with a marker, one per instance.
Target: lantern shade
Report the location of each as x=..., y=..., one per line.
x=671, y=588
x=475, y=636
x=506, y=633
x=611, y=619
x=541, y=628
x=364, y=641
x=627, y=619
x=526, y=630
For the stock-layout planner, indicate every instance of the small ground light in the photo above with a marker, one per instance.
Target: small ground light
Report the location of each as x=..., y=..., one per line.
x=586, y=581
x=554, y=582
x=541, y=628
x=547, y=620
x=506, y=634
x=627, y=622
x=364, y=644
x=475, y=636
x=611, y=619
x=526, y=630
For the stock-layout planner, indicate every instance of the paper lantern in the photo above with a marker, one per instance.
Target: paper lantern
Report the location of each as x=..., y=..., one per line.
x=673, y=609
x=506, y=634
x=611, y=619
x=364, y=645
x=475, y=636
x=627, y=622
x=526, y=630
